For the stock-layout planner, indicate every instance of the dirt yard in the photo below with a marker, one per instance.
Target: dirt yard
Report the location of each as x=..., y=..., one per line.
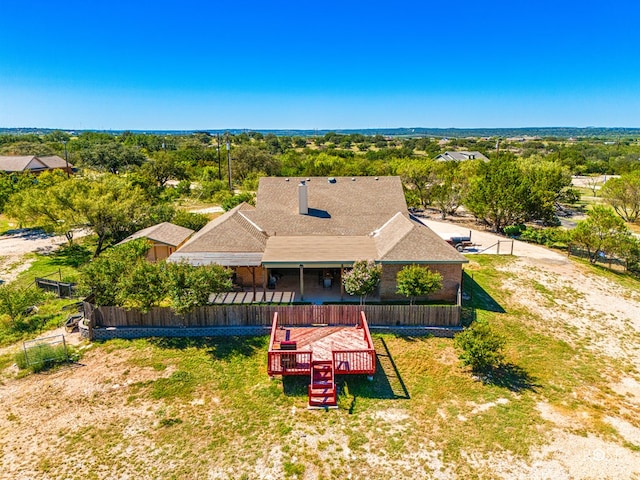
x=582, y=309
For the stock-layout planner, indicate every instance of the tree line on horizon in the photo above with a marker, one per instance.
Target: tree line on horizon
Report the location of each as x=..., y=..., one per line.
x=140, y=177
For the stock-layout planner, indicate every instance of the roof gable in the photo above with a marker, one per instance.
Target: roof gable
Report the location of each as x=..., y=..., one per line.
x=420, y=245
x=165, y=232
x=230, y=232
x=20, y=163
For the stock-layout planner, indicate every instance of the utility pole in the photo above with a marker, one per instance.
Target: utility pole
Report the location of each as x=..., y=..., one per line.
x=229, y=164
x=498, y=148
x=218, y=149
x=66, y=156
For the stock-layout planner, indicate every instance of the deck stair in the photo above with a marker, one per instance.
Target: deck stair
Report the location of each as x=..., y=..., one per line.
x=322, y=390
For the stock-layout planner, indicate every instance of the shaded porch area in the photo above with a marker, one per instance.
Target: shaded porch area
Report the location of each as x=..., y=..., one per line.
x=285, y=285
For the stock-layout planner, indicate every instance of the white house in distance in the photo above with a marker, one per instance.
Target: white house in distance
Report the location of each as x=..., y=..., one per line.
x=461, y=156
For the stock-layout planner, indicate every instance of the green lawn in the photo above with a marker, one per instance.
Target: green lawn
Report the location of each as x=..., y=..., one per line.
x=61, y=265
x=6, y=224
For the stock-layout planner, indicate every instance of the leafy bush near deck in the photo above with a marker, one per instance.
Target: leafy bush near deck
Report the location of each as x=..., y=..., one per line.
x=481, y=347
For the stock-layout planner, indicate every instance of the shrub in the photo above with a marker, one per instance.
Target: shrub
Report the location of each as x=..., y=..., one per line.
x=550, y=237
x=235, y=200
x=184, y=187
x=15, y=301
x=514, y=230
x=481, y=347
x=209, y=189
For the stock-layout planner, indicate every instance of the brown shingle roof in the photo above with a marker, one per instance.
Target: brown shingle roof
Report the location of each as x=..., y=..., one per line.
x=54, y=161
x=319, y=249
x=349, y=220
x=165, y=232
x=230, y=232
x=419, y=244
x=346, y=207
x=19, y=163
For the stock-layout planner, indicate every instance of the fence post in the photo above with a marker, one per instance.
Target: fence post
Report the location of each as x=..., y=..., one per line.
x=64, y=344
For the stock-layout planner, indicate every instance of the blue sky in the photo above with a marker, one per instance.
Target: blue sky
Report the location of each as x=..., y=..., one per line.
x=350, y=64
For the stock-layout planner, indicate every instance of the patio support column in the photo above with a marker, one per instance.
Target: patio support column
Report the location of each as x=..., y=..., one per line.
x=341, y=283
x=265, y=276
x=253, y=274
x=301, y=282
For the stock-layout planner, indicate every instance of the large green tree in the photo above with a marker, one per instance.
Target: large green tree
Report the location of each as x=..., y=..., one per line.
x=112, y=157
x=111, y=208
x=420, y=177
x=623, y=194
x=164, y=167
x=603, y=232
x=546, y=183
x=498, y=194
x=49, y=205
x=11, y=183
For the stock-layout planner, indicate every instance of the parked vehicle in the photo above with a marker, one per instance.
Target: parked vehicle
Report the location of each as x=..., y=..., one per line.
x=457, y=241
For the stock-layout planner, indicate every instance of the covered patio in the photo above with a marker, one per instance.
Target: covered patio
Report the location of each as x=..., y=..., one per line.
x=320, y=285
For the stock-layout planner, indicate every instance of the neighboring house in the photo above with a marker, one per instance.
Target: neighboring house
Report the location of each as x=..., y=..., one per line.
x=164, y=237
x=461, y=156
x=314, y=228
x=33, y=164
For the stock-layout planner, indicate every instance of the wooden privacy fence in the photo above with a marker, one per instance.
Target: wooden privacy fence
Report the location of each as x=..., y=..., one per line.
x=262, y=315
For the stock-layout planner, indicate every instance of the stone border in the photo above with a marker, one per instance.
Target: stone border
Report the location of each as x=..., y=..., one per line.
x=84, y=329
x=233, y=331
x=173, y=332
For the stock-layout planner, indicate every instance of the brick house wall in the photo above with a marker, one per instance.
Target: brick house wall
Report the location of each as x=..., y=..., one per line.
x=451, y=279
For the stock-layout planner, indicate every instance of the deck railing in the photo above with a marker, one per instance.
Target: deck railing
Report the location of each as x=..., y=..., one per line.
x=289, y=362
x=354, y=361
x=357, y=361
x=286, y=362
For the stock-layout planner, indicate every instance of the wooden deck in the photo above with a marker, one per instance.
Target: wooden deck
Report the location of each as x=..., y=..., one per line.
x=293, y=349
x=322, y=340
